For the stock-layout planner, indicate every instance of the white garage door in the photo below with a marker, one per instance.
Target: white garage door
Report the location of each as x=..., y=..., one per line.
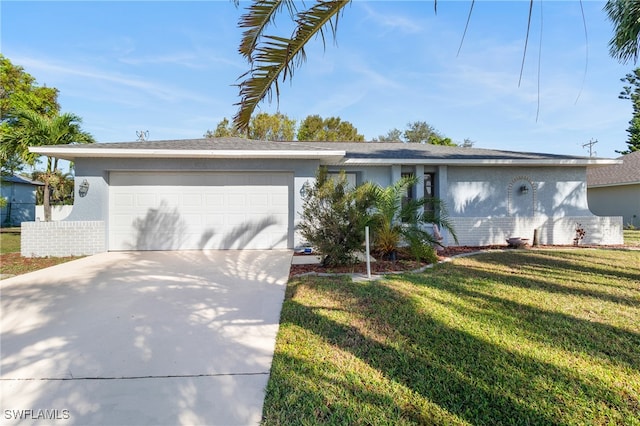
x=195, y=211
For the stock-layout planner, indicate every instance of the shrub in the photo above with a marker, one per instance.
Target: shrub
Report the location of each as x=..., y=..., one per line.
x=334, y=217
x=396, y=221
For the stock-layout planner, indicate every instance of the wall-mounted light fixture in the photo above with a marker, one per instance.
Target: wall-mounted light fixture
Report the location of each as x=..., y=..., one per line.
x=524, y=189
x=83, y=188
x=305, y=189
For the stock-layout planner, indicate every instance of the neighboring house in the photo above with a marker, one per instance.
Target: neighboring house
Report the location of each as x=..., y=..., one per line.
x=20, y=193
x=615, y=190
x=232, y=193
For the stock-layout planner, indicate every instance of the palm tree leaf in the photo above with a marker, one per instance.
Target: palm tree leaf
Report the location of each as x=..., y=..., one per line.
x=625, y=43
x=256, y=19
x=277, y=57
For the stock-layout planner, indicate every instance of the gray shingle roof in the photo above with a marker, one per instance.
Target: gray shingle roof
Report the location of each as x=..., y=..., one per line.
x=227, y=144
x=350, y=153
x=399, y=150
x=362, y=150
x=20, y=179
x=619, y=174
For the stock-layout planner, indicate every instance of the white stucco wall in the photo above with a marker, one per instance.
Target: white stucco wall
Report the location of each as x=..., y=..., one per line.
x=495, y=191
x=622, y=200
x=57, y=212
x=486, y=204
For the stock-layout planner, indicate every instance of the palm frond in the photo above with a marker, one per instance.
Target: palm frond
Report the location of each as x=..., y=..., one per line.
x=625, y=16
x=439, y=216
x=256, y=19
x=277, y=57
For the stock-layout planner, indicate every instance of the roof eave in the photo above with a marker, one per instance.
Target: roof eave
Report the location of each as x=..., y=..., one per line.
x=74, y=153
x=480, y=162
x=607, y=185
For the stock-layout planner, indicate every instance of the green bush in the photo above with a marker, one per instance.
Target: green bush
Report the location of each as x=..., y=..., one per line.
x=334, y=218
x=397, y=221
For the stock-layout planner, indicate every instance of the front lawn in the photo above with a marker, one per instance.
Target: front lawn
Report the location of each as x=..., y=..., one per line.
x=9, y=240
x=11, y=263
x=632, y=237
x=517, y=337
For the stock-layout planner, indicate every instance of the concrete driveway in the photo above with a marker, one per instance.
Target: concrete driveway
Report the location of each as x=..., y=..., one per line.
x=141, y=338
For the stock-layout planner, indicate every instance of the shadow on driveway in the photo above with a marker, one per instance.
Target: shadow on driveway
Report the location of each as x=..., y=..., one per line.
x=142, y=338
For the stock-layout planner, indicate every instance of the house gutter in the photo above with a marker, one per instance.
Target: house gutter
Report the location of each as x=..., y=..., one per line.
x=480, y=162
x=606, y=185
x=73, y=153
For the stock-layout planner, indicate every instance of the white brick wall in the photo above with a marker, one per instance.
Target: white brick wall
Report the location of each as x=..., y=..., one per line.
x=481, y=231
x=59, y=239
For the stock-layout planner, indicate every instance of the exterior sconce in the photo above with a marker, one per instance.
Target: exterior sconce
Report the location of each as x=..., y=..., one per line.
x=524, y=189
x=83, y=188
x=305, y=189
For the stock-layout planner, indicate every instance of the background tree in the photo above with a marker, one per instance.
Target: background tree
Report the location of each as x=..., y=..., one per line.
x=20, y=92
x=61, y=187
x=416, y=132
x=632, y=92
x=224, y=129
x=33, y=129
x=263, y=126
x=331, y=129
x=421, y=132
x=393, y=135
x=272, y=127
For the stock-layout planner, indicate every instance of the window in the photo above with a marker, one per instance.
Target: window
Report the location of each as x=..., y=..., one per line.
x=351, y=178
x=429, y=186
x=409, y=194
x=429, y=191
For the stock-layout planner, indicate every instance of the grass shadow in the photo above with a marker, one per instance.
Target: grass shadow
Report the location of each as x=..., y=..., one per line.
x=451, y=375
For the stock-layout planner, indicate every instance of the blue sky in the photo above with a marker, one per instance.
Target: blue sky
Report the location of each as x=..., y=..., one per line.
x=170, y=68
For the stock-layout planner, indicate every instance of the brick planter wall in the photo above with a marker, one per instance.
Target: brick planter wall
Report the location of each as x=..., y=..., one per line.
x=59, y=239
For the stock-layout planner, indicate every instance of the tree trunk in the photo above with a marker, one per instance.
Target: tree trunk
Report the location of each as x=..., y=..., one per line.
x=46, y=202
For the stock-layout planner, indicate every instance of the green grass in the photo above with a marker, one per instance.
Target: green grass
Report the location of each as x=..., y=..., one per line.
x=632, y=237
x=519, y=337
x=12, y=263
x=10, y=240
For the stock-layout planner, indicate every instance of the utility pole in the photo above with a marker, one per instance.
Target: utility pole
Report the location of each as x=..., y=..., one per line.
x=590, y=144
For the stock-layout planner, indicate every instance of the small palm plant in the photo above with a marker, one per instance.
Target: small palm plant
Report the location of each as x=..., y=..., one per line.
x=397, y=221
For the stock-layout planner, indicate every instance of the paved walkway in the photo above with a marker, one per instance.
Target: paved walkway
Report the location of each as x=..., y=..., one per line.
x=141, y=338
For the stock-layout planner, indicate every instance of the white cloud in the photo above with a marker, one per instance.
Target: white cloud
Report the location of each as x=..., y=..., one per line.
x=391, y=22
x=65, y=72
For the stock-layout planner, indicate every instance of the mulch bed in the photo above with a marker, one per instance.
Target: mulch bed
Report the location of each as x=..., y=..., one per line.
x=403, y=264
x=15, y=264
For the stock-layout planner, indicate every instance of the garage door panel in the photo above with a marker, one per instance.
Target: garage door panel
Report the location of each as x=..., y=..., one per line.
x=171, y=211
